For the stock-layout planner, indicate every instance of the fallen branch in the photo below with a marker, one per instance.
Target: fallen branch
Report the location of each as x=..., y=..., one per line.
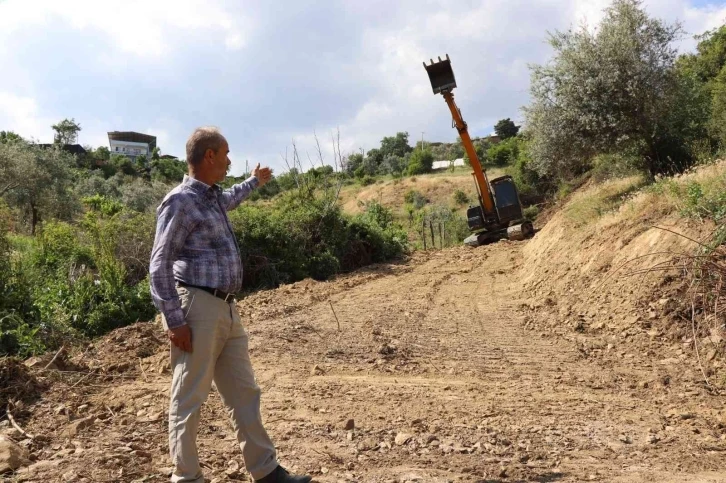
x=336, y=316
x=54, y=358
x=16, y=425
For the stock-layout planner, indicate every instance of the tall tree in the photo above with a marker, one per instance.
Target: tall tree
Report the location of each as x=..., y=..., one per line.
x=66, y=131
x=612, y=89
x=506, y=129
x=395, y=145
x=9, y=137
x=41, y=181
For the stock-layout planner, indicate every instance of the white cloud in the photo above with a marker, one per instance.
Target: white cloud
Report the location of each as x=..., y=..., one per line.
x=138, y=27
x=23, y=115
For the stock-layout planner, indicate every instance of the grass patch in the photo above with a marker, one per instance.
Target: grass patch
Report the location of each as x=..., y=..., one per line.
x=589, y=206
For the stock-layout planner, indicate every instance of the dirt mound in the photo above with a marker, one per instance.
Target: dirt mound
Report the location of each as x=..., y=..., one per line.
x=606, y=272
x=18, y=385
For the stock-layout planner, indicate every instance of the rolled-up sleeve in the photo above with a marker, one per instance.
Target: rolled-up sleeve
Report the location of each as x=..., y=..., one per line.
x=239, y=192
x=172, y=228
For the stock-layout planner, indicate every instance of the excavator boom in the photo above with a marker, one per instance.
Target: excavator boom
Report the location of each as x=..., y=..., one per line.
x=481, y=180
x=443, y=82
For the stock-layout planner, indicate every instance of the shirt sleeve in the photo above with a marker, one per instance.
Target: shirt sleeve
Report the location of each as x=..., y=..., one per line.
x=172, y=229
x=238, y=193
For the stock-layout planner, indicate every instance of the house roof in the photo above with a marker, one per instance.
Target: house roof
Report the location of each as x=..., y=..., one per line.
x=133, y=137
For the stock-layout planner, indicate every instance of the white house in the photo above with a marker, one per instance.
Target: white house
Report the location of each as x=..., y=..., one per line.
x=448, y=164
x=131, y=144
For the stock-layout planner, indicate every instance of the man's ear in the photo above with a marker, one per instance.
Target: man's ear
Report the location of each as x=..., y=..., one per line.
x=209, y=154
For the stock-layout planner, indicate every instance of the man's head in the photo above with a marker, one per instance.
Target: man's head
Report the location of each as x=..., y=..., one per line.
x=207, y=152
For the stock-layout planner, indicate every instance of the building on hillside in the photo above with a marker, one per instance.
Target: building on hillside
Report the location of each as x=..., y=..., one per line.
x=131, y=144
x=168, y=156
x=448, y=164
x=492, y=139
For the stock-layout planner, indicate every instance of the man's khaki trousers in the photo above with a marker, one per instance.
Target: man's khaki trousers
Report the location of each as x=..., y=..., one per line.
x=219, y=354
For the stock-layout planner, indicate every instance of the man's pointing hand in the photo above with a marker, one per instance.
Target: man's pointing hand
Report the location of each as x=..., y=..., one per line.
x=263, y=175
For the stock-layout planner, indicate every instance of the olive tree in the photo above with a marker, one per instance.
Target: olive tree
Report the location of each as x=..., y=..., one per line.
x=609, y=89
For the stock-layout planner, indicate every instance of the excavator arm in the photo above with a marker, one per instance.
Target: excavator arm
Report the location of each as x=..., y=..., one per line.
x=482, y=183
x=443, y=82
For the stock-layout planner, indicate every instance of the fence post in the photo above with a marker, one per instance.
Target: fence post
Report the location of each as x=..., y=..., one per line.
x=423, y=231
x=433, y=240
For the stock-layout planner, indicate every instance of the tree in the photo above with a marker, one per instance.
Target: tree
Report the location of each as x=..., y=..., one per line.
x=503, y=153
x=506, y=129
x=610, y=90
x=10, y=137
x=66, y=131
x=41, y=180
x=392, y=164
x=707, y=69
x=421, y=162
x=122, y=164
x=395, y=145
x=353, y=162
x=102, y=153
x=168, y=170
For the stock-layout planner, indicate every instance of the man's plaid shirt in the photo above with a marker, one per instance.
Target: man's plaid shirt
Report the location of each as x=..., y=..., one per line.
x=195, y=243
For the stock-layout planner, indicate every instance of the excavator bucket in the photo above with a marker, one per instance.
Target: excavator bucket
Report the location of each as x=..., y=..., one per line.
x=441, y=75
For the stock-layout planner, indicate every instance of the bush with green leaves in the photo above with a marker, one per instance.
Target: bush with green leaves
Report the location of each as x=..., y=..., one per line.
x=420, y=162
x=367, y=180
x=415, y=198
x=299, y=236
x=504, y=152
x=460, y=197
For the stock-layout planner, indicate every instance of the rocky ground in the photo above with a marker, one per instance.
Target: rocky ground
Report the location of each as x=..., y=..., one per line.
x=436, y=369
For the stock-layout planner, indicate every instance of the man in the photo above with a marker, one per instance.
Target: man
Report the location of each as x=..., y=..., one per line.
x=195, y=271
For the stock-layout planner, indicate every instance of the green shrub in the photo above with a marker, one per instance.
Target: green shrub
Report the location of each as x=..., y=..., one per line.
x=298, y=237
x=460, y=197
x=367, y=180
x=530, y=213
x=415, y=198
x=504, y=152
x=421, y=162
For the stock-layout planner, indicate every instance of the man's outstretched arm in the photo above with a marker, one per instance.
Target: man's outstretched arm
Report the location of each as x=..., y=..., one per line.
x=239, y=192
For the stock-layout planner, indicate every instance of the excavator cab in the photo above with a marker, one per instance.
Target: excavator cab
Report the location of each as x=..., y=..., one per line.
x=506, y=196
x=441, y=75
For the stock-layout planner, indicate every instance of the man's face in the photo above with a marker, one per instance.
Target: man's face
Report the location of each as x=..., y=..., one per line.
x=221, y=162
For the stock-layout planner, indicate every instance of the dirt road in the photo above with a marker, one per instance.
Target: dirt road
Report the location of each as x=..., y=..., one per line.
x=435, y=365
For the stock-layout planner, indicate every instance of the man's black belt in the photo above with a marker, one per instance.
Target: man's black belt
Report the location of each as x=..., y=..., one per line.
x=227, y=297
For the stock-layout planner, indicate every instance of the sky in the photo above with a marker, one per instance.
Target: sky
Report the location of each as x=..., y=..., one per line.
x=272, y=73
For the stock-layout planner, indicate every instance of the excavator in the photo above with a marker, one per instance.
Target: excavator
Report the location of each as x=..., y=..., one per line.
x=499, y=212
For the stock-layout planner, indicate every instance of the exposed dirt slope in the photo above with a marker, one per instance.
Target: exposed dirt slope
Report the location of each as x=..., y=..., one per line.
x=510, y=362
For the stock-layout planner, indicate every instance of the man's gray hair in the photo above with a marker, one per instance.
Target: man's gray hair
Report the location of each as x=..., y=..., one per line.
x=203, y=138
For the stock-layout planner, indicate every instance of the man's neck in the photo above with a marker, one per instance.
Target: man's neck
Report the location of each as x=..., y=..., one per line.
x=203, y=177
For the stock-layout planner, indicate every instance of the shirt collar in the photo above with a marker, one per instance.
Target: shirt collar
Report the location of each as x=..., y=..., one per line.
x=197, y=186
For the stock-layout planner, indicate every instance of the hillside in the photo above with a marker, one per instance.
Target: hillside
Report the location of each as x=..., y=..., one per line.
x=437, y=188
x=540, y=360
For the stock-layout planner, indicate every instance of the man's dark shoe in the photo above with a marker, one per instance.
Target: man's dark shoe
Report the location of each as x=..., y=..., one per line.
x=280, y=475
